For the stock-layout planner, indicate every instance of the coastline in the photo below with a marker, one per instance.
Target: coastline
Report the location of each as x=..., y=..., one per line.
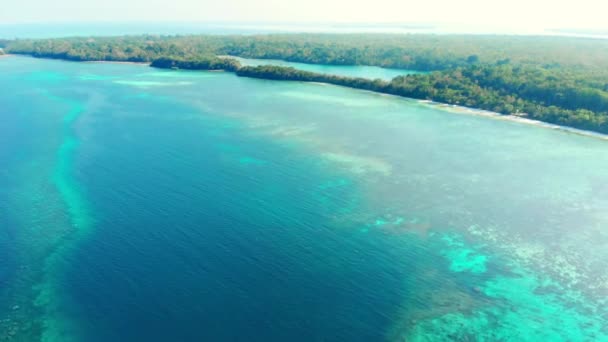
x=462, y=110
x=457, y=109
x=6, y=55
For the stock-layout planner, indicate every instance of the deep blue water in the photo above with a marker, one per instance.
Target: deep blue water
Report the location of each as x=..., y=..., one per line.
x=201, y=244
x=201, y=231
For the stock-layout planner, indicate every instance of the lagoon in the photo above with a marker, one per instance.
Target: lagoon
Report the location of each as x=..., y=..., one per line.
x=139, y=204
x=363, y=71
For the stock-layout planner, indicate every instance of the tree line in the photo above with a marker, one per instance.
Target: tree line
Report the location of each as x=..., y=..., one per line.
x=553, y=79
x=408, y=51
x=203, y=63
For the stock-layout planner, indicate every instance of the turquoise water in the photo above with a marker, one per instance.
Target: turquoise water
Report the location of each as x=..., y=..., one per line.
x=364, y=71
x=138, y=204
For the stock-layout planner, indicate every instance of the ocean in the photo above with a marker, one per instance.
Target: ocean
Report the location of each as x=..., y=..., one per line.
x=150, y=205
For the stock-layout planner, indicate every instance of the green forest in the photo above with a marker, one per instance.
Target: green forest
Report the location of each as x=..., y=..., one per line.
x=553, y=79
x=202, y=63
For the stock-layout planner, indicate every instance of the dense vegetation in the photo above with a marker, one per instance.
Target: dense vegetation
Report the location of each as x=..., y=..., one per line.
x=125, y=49
x=203, y=63
x=553, y=79
x=419, y=52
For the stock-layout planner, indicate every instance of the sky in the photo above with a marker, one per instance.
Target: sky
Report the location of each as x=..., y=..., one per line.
x=587, y=14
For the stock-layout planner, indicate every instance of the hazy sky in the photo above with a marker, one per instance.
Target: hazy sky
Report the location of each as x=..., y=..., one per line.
x=509, y=13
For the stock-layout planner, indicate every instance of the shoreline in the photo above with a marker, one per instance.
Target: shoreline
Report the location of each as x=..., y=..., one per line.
x=462, y=110
x=512, y=118
x=446, y=106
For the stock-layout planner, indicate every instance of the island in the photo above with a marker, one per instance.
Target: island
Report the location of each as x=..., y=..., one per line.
x=558, y=80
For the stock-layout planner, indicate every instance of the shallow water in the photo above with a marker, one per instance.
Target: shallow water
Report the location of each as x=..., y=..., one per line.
x=145, y=205
x=364, y=71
